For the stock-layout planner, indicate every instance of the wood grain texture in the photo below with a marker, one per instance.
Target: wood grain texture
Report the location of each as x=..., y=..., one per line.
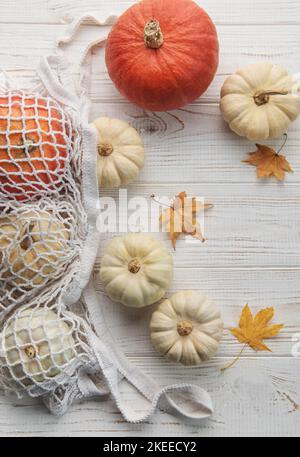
x=258, y=397
x=249, y=225
x=230, y=289
x=253, y=248
x=223, y=11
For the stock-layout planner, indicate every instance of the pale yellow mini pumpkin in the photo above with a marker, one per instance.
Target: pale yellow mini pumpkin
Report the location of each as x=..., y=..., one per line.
x=43, y=226
x=136, y=270
x=38, y=241
x=36, y=345
x=8, y=231
x=186, y=328
x=120, y=152
x=260, y=101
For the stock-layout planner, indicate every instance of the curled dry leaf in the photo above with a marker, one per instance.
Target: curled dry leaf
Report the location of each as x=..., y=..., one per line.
x=269, y=162
x=253, y=330
x=181, y=217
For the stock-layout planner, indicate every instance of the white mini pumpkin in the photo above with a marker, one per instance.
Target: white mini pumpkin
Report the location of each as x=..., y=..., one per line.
x=186, y=328
x=36, y=345
x=120, y=152
x=260, y=101
x=136, y=270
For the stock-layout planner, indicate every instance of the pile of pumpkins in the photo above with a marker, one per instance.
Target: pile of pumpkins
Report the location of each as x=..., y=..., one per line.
x=37, y=343
x=160, y=56
x=161, y=59
x=163, y=55
x=137, y=270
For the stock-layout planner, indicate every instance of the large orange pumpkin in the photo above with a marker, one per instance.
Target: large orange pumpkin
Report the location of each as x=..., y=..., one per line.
x=162, y=54
x=34, y=145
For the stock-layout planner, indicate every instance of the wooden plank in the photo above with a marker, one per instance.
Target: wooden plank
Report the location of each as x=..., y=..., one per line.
x=234, y=54
x=258, y=397
x=249, y=45
x=227, y=12
x=26, y=11
x=249, y=226
x=230, y=289
x=199, y=139
x=249, y=38
x=103, y=91
x=223, y=12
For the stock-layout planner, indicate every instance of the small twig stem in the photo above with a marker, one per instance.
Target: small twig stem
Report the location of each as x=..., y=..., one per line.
x=234, y=360
x=153, y=197
x=283, y=144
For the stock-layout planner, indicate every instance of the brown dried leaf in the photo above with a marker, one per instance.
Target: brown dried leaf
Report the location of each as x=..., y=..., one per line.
x=181, y=218
x=268, y=163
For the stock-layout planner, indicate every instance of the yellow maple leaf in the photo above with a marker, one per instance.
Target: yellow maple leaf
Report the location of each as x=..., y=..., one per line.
x=268, y=162
x=253, y=330
x=181, y=217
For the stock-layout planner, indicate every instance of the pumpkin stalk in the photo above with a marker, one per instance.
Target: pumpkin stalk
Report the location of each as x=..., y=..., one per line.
x=184, y=328
x=105, y=149
x=263, y=97
x=30, y=351
x=27, y=240
x=28, y=145
x=134, y=266
x=153, y=36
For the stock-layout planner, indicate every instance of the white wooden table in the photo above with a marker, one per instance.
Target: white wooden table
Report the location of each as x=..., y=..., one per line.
x=253, y=248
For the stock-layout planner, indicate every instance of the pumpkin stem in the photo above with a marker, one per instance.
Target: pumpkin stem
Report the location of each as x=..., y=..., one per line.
x=30, y=351
x=153, y=36
x=25, y=244
x=262, y=97
x=28, y=145
x=27, y=241
x=184, y=328
x=134, y=266
x=105, y=149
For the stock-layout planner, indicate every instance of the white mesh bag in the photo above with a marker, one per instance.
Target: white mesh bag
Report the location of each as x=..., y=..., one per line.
x=54, y=342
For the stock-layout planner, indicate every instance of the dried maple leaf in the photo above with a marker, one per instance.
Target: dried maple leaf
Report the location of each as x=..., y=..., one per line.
x=268, y=163
x=252, y=330
x=181, y=217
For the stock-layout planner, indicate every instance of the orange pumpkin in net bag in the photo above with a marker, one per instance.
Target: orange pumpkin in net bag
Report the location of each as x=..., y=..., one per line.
x=35, y=140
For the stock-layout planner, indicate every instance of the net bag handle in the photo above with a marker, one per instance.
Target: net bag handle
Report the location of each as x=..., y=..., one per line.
x=187, y=401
